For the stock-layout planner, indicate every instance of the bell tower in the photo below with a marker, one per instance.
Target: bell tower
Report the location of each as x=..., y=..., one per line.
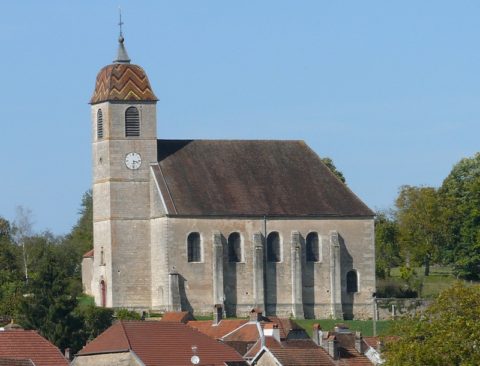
x=124, y=143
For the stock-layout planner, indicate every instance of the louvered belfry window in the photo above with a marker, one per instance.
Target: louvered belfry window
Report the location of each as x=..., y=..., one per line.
x=132, y=122
x=99, y=124
x=194, y=248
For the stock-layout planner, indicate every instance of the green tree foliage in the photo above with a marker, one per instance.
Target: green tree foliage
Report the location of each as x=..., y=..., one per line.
x=47, y=301
x=460, y=193
x=387, y=248
x=330, y=165
x=421, y=223
x=448, y=333
x=125, y=314
x=80, y=239
x=95, y=321
x=11, y=280
x=47, y=305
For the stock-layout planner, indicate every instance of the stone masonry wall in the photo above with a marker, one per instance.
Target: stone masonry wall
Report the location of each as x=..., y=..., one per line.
x=196, y=287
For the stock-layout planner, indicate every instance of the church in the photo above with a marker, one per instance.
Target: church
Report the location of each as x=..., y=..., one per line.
x=217, y=225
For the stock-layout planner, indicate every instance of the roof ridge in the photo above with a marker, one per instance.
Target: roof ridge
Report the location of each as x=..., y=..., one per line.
x=237, y=329
x=126, y=335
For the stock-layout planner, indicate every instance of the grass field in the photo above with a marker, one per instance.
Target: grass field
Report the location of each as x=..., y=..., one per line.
x=364, y=326
x=440, y=279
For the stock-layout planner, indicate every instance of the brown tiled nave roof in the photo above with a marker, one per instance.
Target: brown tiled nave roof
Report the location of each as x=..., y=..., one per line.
x=250, y=178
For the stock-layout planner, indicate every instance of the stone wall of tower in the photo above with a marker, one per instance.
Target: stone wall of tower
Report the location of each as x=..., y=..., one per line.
x=121, y=206
x=356, y=241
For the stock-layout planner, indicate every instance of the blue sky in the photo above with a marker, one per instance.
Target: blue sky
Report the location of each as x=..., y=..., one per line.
x=388, y=90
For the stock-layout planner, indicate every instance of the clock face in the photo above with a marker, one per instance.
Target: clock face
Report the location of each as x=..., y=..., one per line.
x=133, y=160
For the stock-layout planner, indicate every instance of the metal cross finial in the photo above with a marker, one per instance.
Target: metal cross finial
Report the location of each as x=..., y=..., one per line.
x=120, y=23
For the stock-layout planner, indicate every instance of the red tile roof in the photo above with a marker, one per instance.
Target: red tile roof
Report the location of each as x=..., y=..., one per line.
x=302, y=357
x=270, y=343
x=161, y=343
x=348, y=353
x=217, y=331
x=13, y=362
x=246, y=333
x=88, y=254
x=351, y=357
x=29, y=345
x=373, y=341
x=177, y=316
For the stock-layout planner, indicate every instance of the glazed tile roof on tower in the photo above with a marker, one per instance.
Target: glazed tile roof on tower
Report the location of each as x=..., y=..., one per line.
x=250, y=178
x=161, y=343
x=122, y=82
x=23, y=345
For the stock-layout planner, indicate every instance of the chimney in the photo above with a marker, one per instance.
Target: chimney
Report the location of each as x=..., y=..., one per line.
x=341, y=328
x=67, y=354
x=359, y=345
x=379, y=346
x=217, y=314
x=271, y=330
x=332, y=347
x=255, y=315
x=317, y=334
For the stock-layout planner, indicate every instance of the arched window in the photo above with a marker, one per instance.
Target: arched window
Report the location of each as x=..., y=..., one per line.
x=352, y=281
x=273, y=247
x=312, y=247
x=132, y=122
x=99, y=124
x=103, y=293
x=234, y=247
x=194, y=247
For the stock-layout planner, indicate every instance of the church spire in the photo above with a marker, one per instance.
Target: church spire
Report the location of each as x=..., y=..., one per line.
x=122, y=55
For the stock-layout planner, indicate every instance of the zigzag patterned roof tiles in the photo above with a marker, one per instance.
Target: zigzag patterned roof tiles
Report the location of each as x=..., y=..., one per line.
x=120, y=82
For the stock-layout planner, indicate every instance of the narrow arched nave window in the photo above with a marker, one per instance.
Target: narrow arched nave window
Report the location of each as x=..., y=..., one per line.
x=274, y=247
x=234, y=247
x=312, y=247
x=194, y=248
x=352, y=281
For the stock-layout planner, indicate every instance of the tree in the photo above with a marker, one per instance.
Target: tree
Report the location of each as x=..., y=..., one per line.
x=125, y=314
x=448, y=333
x=23, y=229
x=421, y=223
x=10, y=271
x=387, y=249
x=47, y=305
x=95, y=321
x=330, y=165
x=80, y=239
x=460, y=193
